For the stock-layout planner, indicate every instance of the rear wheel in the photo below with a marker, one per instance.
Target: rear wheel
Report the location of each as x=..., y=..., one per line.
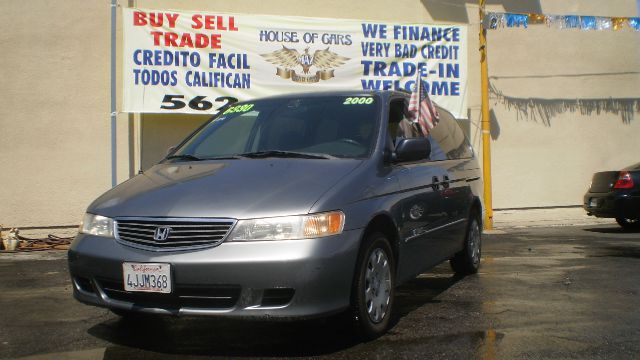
x=467, y=261
x=374, y=286
x=629, y=223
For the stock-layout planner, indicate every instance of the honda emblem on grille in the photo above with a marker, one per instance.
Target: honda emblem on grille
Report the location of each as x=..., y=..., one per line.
x=161, y=233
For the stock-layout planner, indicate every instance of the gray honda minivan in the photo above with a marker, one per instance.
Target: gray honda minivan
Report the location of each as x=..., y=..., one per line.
x=286, y=207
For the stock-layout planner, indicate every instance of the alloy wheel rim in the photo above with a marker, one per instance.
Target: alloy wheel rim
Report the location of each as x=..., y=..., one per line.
x=474, y=243
x=377, y=290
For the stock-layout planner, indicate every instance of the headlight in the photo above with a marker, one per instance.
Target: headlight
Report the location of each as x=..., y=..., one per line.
x=96, y=225
x=289, y=227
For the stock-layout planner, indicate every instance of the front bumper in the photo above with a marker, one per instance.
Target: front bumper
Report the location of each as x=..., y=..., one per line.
x=612, y=204
x=281, y=279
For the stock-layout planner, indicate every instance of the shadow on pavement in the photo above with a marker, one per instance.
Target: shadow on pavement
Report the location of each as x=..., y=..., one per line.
x=222, y=337
x=611, y=230
x=421, y=291
x=179, y=337
x=631, y=252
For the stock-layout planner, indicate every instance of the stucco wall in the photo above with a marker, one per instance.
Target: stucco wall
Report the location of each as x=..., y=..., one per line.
x=54, y=103
x=54, y=106
x=547, y=159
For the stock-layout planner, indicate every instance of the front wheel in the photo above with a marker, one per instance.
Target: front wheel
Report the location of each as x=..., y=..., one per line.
x=374, y=286
x=467, y=261
x=629, y=223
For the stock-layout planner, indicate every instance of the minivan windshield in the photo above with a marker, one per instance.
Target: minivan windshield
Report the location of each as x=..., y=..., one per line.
x=305, y=127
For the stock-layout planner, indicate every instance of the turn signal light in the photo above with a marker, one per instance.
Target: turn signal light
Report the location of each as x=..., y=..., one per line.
x=624, y=181
x=323, y=224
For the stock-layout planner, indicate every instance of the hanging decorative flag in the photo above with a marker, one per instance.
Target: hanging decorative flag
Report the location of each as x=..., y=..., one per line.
x=588, y=22
x=618, y=23
x=495, y=20
x=555, y=21
x=537, y=19
x=498, y=20
x=634, y=23
x=516, y=20
x=571, y=22
x=603, y=23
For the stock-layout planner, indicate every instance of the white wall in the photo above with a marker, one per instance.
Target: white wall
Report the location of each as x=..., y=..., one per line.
x=54, y=106
x=537, y=164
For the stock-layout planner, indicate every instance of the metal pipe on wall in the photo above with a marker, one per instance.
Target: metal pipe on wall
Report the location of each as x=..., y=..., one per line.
x=114, y=177
x=486, y=124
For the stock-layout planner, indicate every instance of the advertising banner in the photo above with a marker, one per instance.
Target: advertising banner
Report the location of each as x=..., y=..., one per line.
x=197, y=62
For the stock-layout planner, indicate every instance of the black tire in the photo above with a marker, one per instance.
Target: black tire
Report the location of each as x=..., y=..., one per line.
x=467, y=261
x=375, y=275
x=629, y=223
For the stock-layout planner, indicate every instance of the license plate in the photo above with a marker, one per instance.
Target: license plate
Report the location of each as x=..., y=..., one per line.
x=147, y=277
x=593, y=203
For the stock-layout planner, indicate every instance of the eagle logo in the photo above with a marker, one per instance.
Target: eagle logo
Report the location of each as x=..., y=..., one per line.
x=325, y=60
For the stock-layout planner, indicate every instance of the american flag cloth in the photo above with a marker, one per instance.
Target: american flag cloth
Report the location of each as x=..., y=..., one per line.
x=422, y=109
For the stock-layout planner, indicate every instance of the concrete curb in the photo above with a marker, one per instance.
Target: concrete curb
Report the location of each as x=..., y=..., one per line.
x=504, y=219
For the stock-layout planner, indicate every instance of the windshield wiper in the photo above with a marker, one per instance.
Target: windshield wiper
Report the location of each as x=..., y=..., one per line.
x=284, y=154
x=195, y=158
x=223, y=157
x=188, y=157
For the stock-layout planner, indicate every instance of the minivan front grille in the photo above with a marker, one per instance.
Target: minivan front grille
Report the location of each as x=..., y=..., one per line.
x=172, y=233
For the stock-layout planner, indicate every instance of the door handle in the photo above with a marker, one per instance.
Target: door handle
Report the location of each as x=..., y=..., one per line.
x=435, y=183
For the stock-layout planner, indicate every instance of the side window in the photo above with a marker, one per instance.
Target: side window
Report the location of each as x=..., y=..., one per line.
x=400, y=127
x=448, y=140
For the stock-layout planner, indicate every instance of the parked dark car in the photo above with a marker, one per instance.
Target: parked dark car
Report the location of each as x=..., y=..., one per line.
x=616, y=194
x=287, y=207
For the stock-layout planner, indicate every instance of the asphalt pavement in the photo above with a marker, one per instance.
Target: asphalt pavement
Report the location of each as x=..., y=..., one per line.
x=542, y=293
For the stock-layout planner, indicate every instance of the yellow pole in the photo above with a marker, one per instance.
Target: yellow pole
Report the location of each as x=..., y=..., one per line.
x=486, y=124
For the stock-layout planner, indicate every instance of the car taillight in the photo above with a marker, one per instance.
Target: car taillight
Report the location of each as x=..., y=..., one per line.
x=624, y=181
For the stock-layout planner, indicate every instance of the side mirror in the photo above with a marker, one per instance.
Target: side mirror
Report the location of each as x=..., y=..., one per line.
x=170, y=150
x=413, y=149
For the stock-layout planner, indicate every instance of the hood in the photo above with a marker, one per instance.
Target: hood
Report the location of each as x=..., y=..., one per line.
x=239, y=189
